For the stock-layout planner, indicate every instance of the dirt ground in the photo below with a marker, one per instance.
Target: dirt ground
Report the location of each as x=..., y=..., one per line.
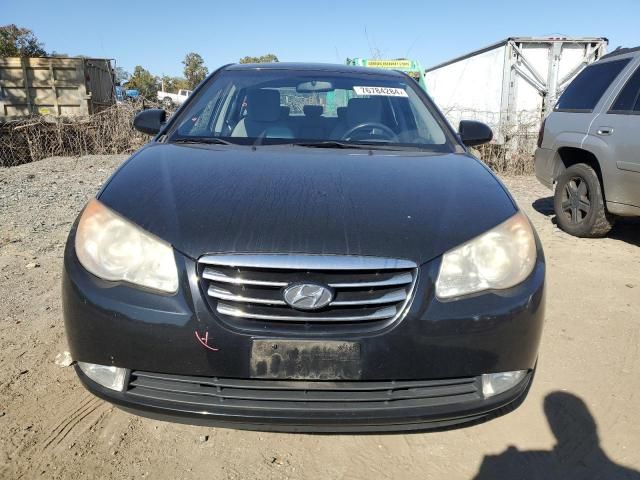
x=588, y=371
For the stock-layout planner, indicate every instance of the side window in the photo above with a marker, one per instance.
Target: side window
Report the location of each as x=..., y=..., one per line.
x=628, y=102
x=583, y=94
x=426, y=127
x=224, y=114
x=200, y=120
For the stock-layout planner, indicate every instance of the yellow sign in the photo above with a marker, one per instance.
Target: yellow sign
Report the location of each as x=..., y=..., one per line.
x=389, y=63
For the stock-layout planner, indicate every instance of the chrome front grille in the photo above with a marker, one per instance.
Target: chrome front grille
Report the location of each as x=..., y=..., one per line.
x=250, y=287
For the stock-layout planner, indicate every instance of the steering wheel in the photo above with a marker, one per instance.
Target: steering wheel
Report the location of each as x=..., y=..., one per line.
x=372, y=129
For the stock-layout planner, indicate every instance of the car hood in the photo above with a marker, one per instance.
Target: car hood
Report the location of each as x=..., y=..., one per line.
x=210, y=199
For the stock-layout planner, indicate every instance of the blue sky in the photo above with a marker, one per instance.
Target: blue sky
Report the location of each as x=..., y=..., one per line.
x=158, y=34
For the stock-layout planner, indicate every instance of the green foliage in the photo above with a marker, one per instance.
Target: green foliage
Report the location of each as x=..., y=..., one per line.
x=194, y=69
x=143, y=81
x=268, y=58
x=19, y=42
x=173, y=84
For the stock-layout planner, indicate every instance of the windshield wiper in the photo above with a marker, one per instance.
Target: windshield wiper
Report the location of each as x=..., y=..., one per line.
x=333, y=144
x=205, y=140
x=361, y=146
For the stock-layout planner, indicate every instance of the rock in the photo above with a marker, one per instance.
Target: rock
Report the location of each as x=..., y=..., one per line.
x=203, y=438
x=630, y=285
x=33, y=265
x=63, y=359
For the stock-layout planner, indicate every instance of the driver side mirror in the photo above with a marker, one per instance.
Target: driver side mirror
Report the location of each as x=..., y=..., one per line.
x=474, y=133
x=150, y=121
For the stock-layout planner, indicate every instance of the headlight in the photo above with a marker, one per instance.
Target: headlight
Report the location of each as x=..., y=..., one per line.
x=113, y=248
x=500, y=258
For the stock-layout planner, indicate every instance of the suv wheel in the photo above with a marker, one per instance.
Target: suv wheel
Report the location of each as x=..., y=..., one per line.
x=579, y=204
x=167, y=102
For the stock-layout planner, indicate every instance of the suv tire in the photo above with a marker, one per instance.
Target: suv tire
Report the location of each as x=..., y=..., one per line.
x=579, y=203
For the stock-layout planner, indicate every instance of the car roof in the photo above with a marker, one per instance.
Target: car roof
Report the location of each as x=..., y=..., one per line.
x=622, y=51
x=317, y=67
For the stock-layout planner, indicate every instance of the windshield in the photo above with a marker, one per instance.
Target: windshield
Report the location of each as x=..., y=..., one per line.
x=311, y=108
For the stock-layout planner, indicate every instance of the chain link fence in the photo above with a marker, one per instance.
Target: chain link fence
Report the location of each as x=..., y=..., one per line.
x=511, y=152
x=515, y=155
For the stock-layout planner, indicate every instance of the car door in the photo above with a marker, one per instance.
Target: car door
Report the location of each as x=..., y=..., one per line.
x=618, y=125
x=573, y=114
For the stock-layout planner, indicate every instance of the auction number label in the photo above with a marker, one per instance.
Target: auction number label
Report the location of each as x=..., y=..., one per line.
x=381, y=91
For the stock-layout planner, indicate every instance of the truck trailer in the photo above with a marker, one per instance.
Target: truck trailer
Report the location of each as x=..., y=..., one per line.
x=512, y=84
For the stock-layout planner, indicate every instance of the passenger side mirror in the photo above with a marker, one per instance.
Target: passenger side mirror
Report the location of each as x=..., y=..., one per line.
x=474, y=133
x=150, y=121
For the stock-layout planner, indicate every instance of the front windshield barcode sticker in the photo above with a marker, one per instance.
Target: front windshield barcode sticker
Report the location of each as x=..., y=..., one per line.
x=381, y=91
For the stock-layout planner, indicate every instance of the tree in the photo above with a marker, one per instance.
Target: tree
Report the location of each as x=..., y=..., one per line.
x=194, y=69
x=173, y=84
x=144, y=82
x=19, y=42
x=268, y=58
x=121, y=75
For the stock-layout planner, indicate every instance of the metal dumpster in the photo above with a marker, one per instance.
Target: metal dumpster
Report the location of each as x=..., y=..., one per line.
x=54, y=86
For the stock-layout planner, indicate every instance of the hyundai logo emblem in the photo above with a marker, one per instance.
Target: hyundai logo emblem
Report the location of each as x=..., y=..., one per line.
x=307, y=296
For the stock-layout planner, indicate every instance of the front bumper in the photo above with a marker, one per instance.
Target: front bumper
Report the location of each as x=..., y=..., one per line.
x=298, y=406
x=116, y=324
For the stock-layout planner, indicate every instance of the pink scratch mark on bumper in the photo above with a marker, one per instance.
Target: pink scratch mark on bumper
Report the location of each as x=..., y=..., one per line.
x=204, y=341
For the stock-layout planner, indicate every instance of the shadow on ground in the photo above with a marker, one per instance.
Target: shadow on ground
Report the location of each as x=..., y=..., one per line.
x=625, y=229
x=576, y=455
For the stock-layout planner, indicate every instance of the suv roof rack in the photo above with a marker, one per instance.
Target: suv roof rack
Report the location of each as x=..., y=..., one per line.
x=620, y=51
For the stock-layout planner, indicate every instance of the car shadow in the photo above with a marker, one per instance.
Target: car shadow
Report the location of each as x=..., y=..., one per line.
x=545, y=207
x=576, y=455
x=625, y=229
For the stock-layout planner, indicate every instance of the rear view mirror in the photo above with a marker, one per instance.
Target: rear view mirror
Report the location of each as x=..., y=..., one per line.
x=474, y=133
x=314, y=86
x=150, y=121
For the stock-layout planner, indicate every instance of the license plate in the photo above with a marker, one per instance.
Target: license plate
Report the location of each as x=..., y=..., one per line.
x=305, y=360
